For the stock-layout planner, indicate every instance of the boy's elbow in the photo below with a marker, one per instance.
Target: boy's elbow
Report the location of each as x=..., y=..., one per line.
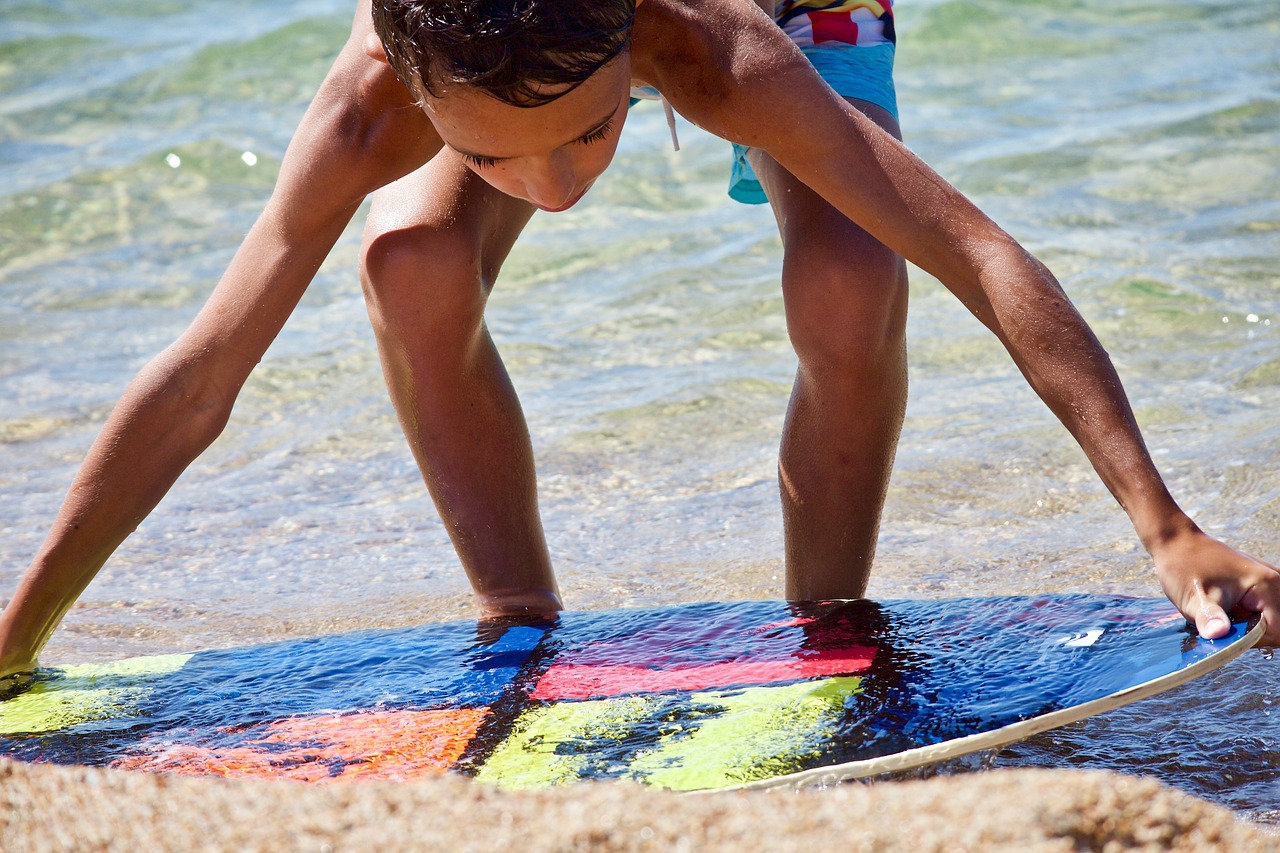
x=183, y=399
x=996, y=269
x=1016, y=296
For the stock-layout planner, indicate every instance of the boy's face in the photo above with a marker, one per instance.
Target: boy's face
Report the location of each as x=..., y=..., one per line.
x=549, y=155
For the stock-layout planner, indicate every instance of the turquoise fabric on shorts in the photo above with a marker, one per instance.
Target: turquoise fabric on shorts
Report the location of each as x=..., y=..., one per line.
x=865, y=73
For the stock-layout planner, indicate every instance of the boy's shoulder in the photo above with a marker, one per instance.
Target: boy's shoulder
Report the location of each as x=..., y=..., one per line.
x=719, y=62
x=701, y=47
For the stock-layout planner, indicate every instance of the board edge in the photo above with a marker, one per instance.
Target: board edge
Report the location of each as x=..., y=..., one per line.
x=1003, y=736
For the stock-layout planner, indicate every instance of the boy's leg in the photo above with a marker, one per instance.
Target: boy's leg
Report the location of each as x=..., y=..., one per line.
x=846, y=304
x=434, y=243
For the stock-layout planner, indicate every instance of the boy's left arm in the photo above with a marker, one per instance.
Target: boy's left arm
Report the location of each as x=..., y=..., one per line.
x=763, y=93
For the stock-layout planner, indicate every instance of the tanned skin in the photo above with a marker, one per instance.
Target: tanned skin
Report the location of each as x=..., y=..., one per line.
x=457, y=177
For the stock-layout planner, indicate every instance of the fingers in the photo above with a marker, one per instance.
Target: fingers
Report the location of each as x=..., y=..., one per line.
x=1271, y=639
x=1206, y=611
x=1264, y=598
x=1211, y=620
x=1212, y=583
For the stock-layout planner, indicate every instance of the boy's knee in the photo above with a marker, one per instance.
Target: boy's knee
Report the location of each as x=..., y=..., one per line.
x=846, y=311
x=422, y=276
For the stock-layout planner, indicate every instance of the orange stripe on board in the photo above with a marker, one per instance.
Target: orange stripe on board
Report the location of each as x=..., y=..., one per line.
x=387, y=745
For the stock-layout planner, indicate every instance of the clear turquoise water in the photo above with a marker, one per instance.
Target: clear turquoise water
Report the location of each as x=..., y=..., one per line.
x=1134, y=146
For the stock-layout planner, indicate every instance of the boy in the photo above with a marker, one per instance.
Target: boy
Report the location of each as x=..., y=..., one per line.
x=495, y=109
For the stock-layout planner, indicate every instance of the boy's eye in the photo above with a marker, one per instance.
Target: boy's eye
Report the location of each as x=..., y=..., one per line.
x=481, y=162
x=596, y=135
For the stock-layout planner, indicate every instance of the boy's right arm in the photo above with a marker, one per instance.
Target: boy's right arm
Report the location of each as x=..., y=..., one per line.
x=362, y=131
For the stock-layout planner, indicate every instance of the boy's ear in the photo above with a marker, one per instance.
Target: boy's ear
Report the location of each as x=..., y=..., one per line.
x=373, y=47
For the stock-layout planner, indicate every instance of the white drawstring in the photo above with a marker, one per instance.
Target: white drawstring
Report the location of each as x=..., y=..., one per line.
x=649, y=93
x=671, y=123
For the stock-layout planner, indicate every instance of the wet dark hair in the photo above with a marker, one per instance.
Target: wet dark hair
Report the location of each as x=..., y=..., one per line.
x=522, y=52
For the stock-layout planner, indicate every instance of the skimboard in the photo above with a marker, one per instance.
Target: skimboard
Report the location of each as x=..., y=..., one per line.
x=693, y=697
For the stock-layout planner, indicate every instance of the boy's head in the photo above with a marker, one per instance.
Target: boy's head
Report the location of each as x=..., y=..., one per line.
x=522, y=52
x=531, y=94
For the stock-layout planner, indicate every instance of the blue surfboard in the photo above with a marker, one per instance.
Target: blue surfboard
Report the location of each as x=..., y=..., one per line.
x=692, y=697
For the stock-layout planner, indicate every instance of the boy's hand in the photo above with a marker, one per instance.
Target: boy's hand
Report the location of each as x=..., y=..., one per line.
x=1207, y=581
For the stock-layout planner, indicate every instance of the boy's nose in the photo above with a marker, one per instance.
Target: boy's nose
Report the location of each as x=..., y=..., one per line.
x=554, y=183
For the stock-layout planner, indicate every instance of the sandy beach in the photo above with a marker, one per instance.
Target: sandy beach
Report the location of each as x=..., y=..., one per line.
x=45, y=808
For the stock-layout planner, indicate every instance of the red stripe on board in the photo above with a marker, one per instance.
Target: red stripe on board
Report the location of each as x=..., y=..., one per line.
x=567, y=681
x=798, y=622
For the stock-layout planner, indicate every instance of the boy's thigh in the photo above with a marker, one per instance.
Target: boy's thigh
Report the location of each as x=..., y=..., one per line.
x=853, y=52
x=809, y=224
x=845, y=292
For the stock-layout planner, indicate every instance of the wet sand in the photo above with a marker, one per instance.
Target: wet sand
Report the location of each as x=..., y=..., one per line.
x=85, y=809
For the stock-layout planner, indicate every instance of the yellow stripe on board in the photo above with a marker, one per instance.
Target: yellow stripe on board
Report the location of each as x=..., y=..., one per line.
x=81, y=694
x=727, y=738
x=763, y=732
x=539, y=751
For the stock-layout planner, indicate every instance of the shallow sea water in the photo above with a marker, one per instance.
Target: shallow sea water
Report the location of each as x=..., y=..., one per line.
x=1134, y=146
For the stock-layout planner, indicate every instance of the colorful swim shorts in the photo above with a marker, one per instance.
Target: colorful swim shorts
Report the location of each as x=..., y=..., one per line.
x=851, y=45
